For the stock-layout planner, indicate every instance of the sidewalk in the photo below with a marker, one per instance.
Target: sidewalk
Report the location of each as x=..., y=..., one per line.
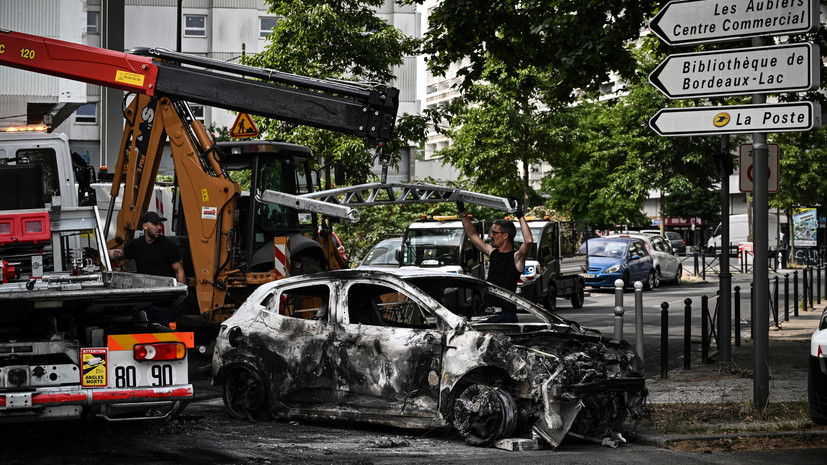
x=789, y=347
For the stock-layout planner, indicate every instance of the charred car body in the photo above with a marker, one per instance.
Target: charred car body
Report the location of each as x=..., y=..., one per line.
x=407, y=349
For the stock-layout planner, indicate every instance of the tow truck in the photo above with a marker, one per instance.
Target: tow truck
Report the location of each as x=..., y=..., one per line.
x=230, y=242
x=74, y=338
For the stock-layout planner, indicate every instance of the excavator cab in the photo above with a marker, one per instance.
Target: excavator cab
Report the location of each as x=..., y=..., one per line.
x=281, y=167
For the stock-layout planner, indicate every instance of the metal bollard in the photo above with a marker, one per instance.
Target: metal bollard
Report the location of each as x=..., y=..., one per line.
x=786, y=297
x=805, y=290
x=664, y=340
x=810, y=289
x=687, y=333
x=639, y=319
x=775, y=301
x=618, y=292
x=695, y=256
x=818, y=284
x=704, y=329
x=737, y=310
x=795, y=293
x=618, y=323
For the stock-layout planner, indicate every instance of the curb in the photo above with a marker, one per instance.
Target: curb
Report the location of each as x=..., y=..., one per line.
x=650, y=438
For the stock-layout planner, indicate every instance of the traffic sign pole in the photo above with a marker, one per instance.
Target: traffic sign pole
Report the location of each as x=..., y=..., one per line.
x=760, y=328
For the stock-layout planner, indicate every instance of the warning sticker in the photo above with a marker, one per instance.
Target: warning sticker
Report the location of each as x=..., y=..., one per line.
x=93, y=363
x=209, y=213
x=126, y=77
x=243, y=127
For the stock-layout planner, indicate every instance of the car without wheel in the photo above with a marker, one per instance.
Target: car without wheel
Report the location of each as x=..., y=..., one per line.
x=412, y=348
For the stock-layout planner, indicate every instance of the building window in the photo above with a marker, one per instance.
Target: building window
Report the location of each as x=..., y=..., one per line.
x=198, y=113
x=267, y=26
x=87, y=114
x=92, y=22
x=195, y=26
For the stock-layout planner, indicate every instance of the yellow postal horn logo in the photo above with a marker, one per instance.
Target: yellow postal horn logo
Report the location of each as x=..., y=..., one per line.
x=721, y=119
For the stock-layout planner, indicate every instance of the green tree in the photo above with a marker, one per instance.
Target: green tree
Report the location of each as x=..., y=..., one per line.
x=337, y=40
x=575, y=42
x=619, y=160
x=499, y=121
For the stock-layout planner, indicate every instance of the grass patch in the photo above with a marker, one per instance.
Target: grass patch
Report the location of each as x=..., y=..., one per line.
x=727, y=418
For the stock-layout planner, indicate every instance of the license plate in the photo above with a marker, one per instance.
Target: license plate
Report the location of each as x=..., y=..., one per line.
x=587, y=275
x=125, y=372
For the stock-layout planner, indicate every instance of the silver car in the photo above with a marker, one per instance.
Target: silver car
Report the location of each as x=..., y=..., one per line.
x=667, y=264
x=413, y=349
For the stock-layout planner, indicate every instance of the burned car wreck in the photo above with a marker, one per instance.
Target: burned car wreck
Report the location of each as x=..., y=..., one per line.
x=407, y=349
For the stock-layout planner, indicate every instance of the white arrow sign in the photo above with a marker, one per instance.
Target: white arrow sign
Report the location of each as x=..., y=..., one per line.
x=737, y=119
x=704, y=21
x=783, y=68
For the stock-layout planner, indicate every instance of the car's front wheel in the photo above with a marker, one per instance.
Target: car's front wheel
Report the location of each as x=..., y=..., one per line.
x=483, y=414
x=245, y=394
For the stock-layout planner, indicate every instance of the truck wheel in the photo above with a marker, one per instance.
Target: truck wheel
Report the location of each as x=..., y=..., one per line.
x=245, y=395
x=550, y=299
x=483, y=414
x=579, y=296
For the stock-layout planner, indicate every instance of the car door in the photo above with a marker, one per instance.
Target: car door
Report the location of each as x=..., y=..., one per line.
x=638, y=267
x=390, y=352
x=296, y=342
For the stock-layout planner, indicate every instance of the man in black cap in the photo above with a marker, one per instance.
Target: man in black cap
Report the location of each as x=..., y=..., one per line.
x=153, y=253
x=156, y=255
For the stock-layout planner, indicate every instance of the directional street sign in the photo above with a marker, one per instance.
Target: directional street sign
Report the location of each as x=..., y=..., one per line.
x=703, y=21
x=783, y=68
x=737, y=119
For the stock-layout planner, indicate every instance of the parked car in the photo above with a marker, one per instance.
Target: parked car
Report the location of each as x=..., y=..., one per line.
x=667, y=264
x=817, y=373
x=383, y=254
x=674, y=238
x=404, y=348
x=613, y=258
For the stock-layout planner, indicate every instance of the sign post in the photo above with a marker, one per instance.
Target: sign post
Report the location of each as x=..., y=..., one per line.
x=747, y=71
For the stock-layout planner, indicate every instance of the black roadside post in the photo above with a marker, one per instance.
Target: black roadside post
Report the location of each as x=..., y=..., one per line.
x=695, y=256
x=805, y=289
x=818, y=283
x=795, y=293
x=786, y=297
x=664, y=340
x=737, y=316
x=687, y=332
x=704, y=329
x=775, y=301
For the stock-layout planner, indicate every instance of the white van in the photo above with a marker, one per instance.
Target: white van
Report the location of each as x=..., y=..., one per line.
x=739, y=232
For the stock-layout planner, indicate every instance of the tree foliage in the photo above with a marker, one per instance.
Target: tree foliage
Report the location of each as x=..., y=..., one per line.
x=337, y=40
x=576, y=43
x=499, y=129
x=619, y=160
